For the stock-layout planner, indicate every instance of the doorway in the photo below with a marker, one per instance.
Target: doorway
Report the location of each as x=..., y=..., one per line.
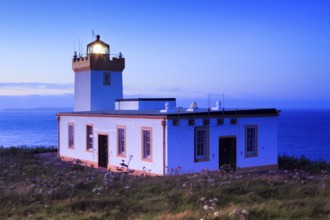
x=103, y=151
x=227, y=151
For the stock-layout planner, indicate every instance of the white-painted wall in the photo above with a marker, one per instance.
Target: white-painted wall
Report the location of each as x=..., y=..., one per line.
x=82, y=91
x=180, y=143
x=103, y=97
x=108, y=125
x=92, y=95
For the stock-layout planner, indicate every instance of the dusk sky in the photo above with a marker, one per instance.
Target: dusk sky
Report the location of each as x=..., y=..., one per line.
x=272, y=53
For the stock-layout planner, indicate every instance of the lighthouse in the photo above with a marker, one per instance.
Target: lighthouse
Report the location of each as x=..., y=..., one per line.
x=98, y=78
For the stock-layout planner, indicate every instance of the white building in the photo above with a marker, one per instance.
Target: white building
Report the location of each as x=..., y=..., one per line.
x=154, y=134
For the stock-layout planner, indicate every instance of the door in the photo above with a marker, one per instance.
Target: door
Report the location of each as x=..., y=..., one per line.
x=227, y=151
x=103, y=151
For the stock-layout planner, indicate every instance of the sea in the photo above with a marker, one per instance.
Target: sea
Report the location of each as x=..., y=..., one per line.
x=300, y=131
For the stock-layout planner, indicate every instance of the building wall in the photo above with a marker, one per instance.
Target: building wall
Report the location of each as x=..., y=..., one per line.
x=103, y=97
x=144, y=104
x=108, y=126
x=180, y=143
x=82, y=91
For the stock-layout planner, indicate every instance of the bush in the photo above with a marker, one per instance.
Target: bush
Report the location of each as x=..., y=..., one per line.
x=303, y=163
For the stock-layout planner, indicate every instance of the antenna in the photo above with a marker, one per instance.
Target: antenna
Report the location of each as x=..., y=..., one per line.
x=79, y=48
x=74, y=50
x=93, y=35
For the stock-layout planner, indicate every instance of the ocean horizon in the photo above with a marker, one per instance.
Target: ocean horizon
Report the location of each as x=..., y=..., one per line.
x=300, y=131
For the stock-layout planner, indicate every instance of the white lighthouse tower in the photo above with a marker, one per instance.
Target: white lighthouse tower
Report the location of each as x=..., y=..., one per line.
x=98, y=78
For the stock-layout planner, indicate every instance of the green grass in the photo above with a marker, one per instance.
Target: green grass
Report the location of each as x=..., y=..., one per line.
x=32, y=188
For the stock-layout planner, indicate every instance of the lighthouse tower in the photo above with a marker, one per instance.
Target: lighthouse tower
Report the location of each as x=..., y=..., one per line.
x=98, y=78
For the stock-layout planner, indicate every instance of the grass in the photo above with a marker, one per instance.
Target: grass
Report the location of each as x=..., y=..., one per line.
x=33, y=188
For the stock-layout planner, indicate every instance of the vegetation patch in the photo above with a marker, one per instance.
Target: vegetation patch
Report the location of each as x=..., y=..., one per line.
x=38, y=188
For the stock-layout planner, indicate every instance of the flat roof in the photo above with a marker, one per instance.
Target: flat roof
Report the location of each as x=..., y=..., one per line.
x=147, y=99
x=179, y=113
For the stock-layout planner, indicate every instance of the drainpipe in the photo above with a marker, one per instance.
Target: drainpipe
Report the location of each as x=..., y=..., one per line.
x=164, y=144
x=58, y=136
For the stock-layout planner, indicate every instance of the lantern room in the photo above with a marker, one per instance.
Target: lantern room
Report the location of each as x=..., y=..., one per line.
x=98, y=47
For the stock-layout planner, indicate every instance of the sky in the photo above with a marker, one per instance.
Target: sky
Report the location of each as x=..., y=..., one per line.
x=249, y=53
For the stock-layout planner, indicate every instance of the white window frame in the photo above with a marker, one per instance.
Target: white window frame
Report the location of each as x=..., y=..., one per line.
x=251, y=140
x=71, y=136
x=89, y=138
x=146, y=136
x=121, y=141
x=202, y=144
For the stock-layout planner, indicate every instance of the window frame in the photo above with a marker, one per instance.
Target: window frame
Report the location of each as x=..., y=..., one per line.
x=144, y=156
x=206, y=143
x=254, y=141
x=121, y=152
x=175, y=122
x=233, y=121
x=191, y=122
x=220, y=121
x=71, y=136
x=106, y=78
x=88, y=138
x=206, y=121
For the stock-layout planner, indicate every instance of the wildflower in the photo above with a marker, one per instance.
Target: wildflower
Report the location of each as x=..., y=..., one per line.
x=216, y=214
x=234, y=214
x=184, y=185
x=203, y=199
x=206, y=207
x=245, y=212
x=127, y=187
x=215, y=200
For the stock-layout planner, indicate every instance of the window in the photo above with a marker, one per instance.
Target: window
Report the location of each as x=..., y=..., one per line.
x=233, y=121
x=191, y=122
x=201, y=144
x=251, y=140
x=220, y=121
x=106, y=79
x=206, y=121
x=176, y=122
x=89, y=137
x=146, y=144
x=71, y=136
x=121, y=141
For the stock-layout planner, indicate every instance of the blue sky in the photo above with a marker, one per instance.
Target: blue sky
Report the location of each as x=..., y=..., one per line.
x=272, y=53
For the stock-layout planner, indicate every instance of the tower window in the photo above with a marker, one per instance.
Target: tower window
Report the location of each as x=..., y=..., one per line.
x=106, y=79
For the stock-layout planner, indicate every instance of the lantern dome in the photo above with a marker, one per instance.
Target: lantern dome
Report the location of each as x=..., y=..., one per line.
x=98, y=47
